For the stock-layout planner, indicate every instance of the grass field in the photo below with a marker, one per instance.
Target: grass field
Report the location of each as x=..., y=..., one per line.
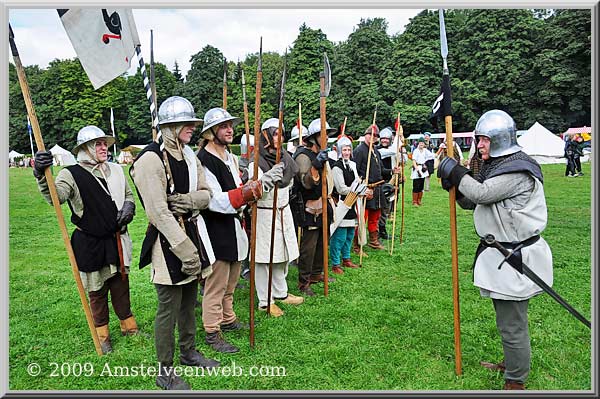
x=387, y=326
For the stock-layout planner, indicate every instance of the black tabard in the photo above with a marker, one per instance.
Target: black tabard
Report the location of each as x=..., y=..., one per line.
x=220, y=226
x=94, y=242
x=180, y=176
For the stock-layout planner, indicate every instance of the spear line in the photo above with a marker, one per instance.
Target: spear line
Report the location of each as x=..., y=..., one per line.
x=344, y=126
x=224, y=83
x=255, y=177
x=401, y=177
x=452, y=201
x=325, y=83
x=276, y=188
x=52, y=188
x=367, y=175
x=246, y=122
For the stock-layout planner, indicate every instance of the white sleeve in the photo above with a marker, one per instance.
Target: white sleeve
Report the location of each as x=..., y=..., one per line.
x=220, y=199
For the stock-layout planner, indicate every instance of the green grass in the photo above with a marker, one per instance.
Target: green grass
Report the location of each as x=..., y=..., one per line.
x=387, y=326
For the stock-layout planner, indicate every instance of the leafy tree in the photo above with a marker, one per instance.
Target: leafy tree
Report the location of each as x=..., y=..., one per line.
x=204, y=80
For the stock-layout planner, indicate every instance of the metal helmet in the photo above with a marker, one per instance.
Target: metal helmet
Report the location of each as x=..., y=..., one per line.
x=177, y=109
x=271, y=122
x=315, y=128
x=343, y=141
x=501, y=129
x=295, y=134
x=386, y=133
x=88, y=134
x=216, y=116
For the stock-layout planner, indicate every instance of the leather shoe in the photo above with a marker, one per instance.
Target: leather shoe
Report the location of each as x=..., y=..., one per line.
x=234, y=326
x=510, y=385
x=194, y=358
x=337, y=269
x=320, y=278
x=306, y=290
x=494, y=366
x=348, y=263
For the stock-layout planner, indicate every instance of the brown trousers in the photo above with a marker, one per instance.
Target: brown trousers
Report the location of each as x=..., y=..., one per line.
x=310, y=262
x=217, y=301
x=119, y=296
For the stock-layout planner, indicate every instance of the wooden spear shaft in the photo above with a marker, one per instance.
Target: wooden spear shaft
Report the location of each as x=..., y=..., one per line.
x=454, y=247
x=396, y=183
x=255, y=177
x=224, y=83
x=324, y=191
x=299, y=229
x=367, y=177
x=53, y=194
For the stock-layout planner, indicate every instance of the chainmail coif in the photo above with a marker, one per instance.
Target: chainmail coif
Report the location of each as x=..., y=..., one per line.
x=513, y=163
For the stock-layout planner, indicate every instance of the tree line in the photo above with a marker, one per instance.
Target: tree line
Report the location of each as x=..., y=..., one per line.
x=534, y=64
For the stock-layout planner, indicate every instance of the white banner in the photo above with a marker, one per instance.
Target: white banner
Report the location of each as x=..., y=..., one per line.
x=104, y=40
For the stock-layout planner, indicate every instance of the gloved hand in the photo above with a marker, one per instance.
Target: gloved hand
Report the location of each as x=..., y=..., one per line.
x=320, y=160
x=42, y=160
x=272, y=176
x=125, y=214
x=451, y=171
x=369, y=193
x=187, y=253
x=180, y=204
x=424, y=168
x=251, y=191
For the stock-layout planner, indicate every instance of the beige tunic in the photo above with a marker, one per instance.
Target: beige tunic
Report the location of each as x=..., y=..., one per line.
x=120, y=191
x=151, y=181
x=285, y=248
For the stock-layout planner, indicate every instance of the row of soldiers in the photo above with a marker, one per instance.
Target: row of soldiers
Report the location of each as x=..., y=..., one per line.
x=195, y=202
x=195, y=206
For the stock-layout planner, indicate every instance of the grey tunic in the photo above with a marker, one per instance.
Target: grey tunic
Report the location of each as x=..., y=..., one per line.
x=512, y=207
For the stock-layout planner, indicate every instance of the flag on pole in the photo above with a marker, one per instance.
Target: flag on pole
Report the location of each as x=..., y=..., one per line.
x=104, y=40
x=443, y=103
x=30, y=133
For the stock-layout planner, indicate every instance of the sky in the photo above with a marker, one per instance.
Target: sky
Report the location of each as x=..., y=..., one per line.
x=180, y=33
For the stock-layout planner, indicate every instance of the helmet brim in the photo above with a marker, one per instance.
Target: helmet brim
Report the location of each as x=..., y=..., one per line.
x=234, y=121
x=110, y=140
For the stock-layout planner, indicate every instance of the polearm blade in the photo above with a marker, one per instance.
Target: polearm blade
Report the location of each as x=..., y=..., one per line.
x=52, y=188
x=246, y=122
x=443, y=41
x=276, y=188
x=325, y=83
x=224, y=83
x=452, y=202
x=255, y=177
x=490, y=241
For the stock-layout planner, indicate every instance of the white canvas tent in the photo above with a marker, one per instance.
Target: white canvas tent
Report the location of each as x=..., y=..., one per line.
x=14, y=154
x=542, y=145
x=62, y=157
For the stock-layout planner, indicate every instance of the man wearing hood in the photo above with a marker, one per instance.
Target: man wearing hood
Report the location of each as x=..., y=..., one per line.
x=102, y=205
x=285, y=244
x=172, y=188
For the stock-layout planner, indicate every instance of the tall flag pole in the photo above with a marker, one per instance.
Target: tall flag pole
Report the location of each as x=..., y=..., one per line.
x=443, y=107
x=52, y=188
x=112, y=127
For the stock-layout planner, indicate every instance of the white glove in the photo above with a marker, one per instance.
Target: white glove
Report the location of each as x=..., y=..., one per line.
x=272, y=176
x=361, y=189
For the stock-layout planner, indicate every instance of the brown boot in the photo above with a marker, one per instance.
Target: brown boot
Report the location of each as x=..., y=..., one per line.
x=356, y=247
x=104, y=338
x=415, y=200
x=420, y=198
x=510, y=385
x=348, y=263
x=374, y=240
x=129, y=326
x=337, y=269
